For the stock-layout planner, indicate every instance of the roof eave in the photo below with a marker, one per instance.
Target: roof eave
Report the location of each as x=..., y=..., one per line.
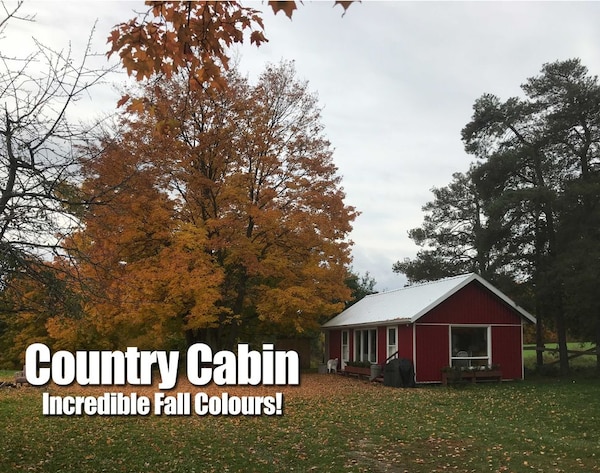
x=368, y=324
x=444, y=296
x=475, y=277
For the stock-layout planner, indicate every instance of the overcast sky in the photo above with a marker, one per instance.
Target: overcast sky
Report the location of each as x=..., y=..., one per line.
x=396, y=80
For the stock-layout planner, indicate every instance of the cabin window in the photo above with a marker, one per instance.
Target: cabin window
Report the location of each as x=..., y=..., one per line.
x=470, y=346
x=392, y=342
x=345, y=348
x=365, y=345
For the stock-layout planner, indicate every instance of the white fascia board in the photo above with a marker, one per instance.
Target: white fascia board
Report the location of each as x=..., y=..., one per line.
x=381, y=323
x=443, y=297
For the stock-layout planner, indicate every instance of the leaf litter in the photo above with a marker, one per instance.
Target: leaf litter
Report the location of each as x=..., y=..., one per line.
x=330, y=423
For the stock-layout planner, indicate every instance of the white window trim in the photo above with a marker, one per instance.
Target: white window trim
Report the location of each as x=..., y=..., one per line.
x=391, y=349
x=346, y=345
x=489, y=343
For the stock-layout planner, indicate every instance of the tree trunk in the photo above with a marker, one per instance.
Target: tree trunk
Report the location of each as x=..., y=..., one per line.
x=539, y=338
x=562, y=342
x=598, y=346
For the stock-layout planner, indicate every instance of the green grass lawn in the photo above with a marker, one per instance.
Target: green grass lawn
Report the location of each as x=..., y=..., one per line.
x=330, y=423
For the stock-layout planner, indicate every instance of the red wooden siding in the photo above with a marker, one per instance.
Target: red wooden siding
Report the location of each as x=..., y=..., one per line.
x=507, y=351
x=405, y=342
x=473, y=304
x=335, y=345
x=432, y=352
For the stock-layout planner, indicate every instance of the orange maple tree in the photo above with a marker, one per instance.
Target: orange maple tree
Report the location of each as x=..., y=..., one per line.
x=223, y=216
x=145, y=273
x=26, y=307
x=193, y=36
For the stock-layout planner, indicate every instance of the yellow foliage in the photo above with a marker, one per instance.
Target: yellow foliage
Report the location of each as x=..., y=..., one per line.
x=221, y=213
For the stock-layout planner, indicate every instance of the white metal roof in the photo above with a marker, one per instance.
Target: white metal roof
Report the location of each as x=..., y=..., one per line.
x=408, y=304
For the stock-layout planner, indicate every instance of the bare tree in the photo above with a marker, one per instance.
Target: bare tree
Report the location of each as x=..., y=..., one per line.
x=38, y=150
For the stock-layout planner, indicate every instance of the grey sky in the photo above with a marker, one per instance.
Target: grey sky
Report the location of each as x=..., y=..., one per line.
x=397, y=81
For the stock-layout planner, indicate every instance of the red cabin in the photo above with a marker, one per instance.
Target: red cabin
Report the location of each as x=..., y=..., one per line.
x=462, y=321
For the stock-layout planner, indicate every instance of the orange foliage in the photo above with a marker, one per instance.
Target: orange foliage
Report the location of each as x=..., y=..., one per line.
x=185, y=35
x=191, y=36
x=220, y=214
x=28, y=308
x=147, y=275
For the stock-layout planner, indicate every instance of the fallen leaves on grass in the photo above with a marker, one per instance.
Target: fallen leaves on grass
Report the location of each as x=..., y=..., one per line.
x=330, y=423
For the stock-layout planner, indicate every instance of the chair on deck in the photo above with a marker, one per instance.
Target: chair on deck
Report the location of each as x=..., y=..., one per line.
x=20, y=378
